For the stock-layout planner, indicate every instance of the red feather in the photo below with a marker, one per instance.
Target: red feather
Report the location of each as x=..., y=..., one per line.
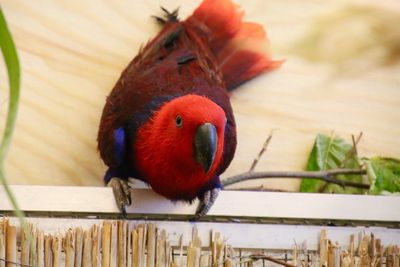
x=163, y=146
x=241, y=48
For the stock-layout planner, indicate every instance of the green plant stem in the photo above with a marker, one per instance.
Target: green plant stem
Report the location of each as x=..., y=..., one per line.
x=13, y=68
x=19, y=213
x=11, y=59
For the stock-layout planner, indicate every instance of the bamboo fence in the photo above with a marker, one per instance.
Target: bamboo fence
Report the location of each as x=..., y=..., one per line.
x=120, y=243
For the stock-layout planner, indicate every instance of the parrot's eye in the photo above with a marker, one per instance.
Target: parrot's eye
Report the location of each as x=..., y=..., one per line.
x=178, y=121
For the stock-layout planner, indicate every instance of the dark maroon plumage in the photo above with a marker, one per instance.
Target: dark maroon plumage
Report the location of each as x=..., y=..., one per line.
x=205, y=55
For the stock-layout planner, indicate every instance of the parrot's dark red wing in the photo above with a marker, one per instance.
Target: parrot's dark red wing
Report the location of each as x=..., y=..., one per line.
x=241, y=48
x=174, y=96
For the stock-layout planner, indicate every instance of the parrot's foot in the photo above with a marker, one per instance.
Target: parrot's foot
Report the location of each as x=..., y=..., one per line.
x=122, y=193
x=206, y=202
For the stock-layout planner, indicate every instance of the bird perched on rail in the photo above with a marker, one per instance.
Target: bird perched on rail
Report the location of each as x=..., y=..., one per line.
x=168, y=121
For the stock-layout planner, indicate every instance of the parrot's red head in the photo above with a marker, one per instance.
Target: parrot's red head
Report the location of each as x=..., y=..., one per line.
x=182, y=145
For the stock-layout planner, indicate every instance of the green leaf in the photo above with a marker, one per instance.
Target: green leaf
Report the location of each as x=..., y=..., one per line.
x=331, y=153
x=11, y=59
x=384, y=175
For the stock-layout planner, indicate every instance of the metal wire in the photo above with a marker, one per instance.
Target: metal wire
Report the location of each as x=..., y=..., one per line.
x=17, y=263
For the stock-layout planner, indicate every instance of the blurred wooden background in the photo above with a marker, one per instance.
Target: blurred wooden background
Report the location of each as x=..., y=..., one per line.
x=72, y=53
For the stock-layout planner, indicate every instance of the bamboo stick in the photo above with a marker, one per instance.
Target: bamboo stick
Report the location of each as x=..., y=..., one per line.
x=114, y=245
x=180, y=262
x=87, y=249
x=78, y=247
x=129, y=244
x=373, y=250
x=333, y=255
x=352, y=248
x=196, y=250
x=47, y=251
x=121, y=248
x=11, y=244
x=227, y=263
x=95, y=246
x=230, y=254
x=160, y=249
x=372, y=247
x=126, y=242
x=205, y=260
x=345, y=259
x=106, y=244
x=392, y=256
x=214, y=248
x=32, y=245
x=40, y=249
x=2, y=243
x=195, y=233
x=379, y=252
x=140, y=244
x=364, y=251
x=360, y=238
x=168, y=251
x=135, y=252
x=151, y=245
x=356, y=261
x=323, y=248
x=218, y=244
x=56, y=250
x=25, y=249
x=189, y=255
x=193, y=255
x=69, y=248
x=196, y=256
x=389, y=256
x=144, y=240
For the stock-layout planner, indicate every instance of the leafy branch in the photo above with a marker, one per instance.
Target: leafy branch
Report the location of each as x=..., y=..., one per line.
x=334, y=167
x=328, y=176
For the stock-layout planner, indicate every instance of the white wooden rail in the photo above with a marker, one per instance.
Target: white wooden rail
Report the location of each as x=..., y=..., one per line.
x=100, y=200
x=236, y=204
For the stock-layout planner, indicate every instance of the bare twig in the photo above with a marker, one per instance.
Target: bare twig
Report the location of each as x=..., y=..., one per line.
x=260, y=188
x=327, y=176
x=268, y=258
x=355, y=143
x=353, y=150
x=263, y=149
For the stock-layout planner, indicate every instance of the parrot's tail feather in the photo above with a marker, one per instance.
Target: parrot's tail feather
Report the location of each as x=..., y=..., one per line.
x=241, y=48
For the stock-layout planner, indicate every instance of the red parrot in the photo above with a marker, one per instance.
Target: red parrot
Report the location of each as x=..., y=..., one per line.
x=168, y=120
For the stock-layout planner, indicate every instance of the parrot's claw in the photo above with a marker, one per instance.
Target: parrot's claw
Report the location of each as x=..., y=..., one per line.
x=122, y=193
x=206, y=202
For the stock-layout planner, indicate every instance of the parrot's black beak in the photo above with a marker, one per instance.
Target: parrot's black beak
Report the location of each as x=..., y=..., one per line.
x=205, y=145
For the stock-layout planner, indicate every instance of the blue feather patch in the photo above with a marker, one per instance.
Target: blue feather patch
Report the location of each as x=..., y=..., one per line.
x=119, y=145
